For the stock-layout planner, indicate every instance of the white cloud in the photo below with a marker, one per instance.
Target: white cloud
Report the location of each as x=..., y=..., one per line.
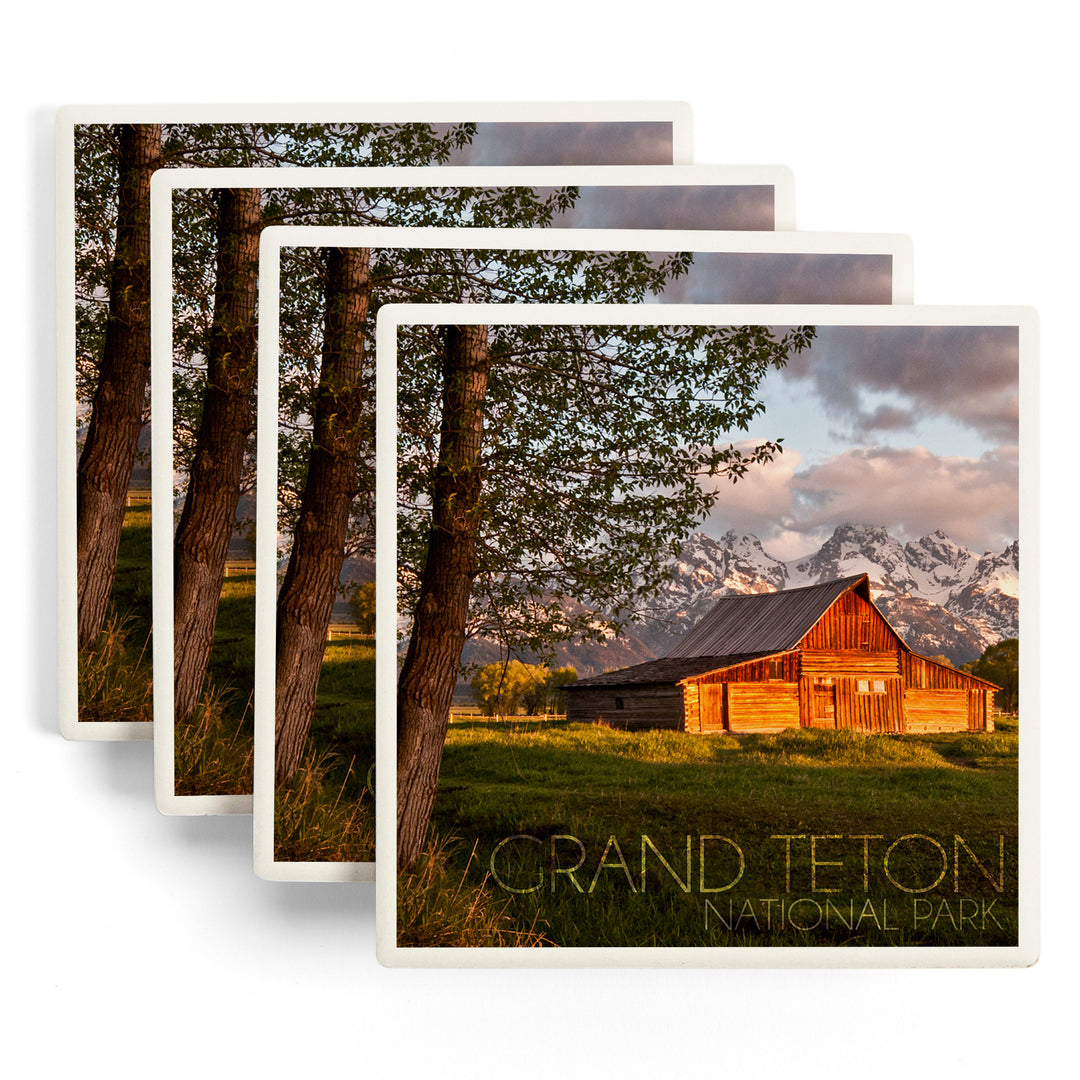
x=761, y=502
x=911, y=492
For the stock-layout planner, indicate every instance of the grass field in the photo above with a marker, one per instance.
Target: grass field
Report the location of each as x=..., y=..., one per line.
x=324, y=810
x=328, y=812
x=586, y=806
x=115, y=675
x=215, y=750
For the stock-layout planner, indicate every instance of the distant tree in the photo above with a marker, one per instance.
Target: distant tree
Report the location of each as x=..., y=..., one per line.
x=557, y=684
x=941, y=658
x=500, y=688
x=1000, y=664
x=534, y=698
x=362, y=605
x=547, y=691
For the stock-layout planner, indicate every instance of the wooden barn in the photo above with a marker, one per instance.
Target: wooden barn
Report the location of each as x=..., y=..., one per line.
x=822, y=656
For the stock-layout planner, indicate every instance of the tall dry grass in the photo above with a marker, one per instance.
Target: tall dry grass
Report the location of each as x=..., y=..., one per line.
x=315, y=821
x=437, y=909
x=115, y=676
x=214, y=753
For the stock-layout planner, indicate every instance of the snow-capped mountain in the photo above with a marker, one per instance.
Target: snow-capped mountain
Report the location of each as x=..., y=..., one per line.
x=938, y=595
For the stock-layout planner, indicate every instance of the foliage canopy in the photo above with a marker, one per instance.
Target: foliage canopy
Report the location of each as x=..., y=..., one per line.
x=604, y=447
x=1000, y=664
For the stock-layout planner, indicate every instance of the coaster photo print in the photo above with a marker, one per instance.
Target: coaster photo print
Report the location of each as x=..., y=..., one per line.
x=703, y=629
x=206, y=226
x=315, y=649
x=106, y=156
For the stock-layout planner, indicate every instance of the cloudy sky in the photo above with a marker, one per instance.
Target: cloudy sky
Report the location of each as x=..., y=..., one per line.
x=912, y=428
x=727, y=206
x=621, y=142
x=784, y=278
x=737, y=206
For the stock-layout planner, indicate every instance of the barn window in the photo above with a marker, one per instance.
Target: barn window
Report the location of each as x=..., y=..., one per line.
x=879, y=686
x=862, y=686
x=619, y=704
x=776, y=669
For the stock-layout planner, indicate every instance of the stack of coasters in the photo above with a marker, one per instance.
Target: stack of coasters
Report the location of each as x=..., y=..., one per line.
x=634, y=534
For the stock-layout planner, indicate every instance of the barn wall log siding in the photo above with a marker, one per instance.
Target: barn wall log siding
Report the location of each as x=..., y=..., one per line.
x=921, y=673
x=980, y=710
x=949, y=710
x=936, y=710
x=806, y=701
x=879, y=665
x=762, y=707
x=851, y=625
x=752, y=702
x=755, y=671
x=629, y=707
x=692, y=708
x=941, y=698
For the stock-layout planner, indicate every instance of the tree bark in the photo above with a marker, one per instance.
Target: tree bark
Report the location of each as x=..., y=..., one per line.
x=311, y=580
x=433, y=658
x=108, y=455
x=206, y=523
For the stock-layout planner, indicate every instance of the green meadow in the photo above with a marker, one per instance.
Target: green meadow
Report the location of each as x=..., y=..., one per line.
x=564, y=834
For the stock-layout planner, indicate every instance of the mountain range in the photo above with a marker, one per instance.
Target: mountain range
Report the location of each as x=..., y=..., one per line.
x=941, y=597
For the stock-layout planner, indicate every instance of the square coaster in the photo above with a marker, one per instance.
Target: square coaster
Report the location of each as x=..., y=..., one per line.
x=106, y=156
x=830, y=761
x=315, y=729
x=206, y=226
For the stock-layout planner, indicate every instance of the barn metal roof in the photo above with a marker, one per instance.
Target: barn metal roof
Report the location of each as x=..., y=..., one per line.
x=665, y=670
x=740, y=629
x=764, y=623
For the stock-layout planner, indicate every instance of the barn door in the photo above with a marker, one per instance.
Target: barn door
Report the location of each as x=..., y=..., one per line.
x=824, y=714
x=712, y=707
x=977, y=710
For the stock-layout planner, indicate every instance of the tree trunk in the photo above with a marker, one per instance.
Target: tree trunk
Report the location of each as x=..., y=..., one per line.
x=108, y=454
x=311, y=580
x=433, y=659
x=206, y=523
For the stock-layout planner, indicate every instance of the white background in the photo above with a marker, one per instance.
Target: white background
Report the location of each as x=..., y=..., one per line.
x=141, y=945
